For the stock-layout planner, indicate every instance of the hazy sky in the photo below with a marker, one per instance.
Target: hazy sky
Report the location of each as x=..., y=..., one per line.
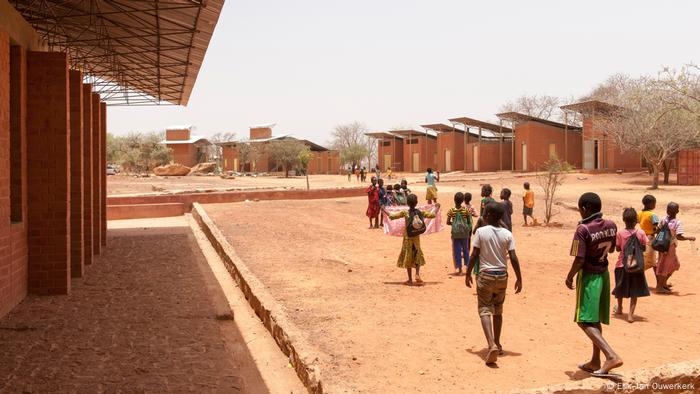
x=310, y=65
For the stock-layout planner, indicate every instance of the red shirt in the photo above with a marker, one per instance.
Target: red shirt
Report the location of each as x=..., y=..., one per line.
x=373, y=195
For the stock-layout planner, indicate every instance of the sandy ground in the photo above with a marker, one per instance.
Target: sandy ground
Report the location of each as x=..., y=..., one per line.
x=127, y=185
x=339, y=283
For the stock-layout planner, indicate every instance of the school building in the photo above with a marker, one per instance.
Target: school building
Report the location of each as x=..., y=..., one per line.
x=389, y=150
x=61, y=64
x=419, y=150
x=488, y=146
x=186, y=149
x=599, y=152
x=536, y=140
x=323, y=161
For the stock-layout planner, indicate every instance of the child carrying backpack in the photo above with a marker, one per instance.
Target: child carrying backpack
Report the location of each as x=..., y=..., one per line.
x=666, y=241
x=461, y=221
x=411, y=256
x=629, y=270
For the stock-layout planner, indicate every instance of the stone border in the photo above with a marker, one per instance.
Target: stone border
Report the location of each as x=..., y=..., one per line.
x=302, y=355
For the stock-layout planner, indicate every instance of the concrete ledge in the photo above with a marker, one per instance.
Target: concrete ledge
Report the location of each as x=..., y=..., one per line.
x=139, y=211
x=681, y=377
x=223, y=197
x=302, y=355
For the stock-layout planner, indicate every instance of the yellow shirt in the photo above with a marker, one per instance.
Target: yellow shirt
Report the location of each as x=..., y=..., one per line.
x=529, y=199
x=647, y=221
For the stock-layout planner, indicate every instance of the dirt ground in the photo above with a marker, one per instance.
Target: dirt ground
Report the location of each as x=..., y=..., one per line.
x=339, y=283
x=128, y=185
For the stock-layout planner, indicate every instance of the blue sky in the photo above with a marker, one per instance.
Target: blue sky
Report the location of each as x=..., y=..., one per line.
x=310, y=65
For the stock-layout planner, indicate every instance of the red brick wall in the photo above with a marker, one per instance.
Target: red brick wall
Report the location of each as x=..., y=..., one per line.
x=689, y=167
x=490, y=156
x=427, y=150
x=96, y=176
x=13, y=235
x=610, y=157
x=454, y=142
x=76, y=173
x=48, y=155
x=88, y=175
x=537, y=137
x=395, y=149
x=262, y=132
x=103, y=173
x=177, y=135
x=185, y=154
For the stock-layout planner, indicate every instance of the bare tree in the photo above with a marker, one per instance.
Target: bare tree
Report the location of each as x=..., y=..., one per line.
x=650, y=117
x=544, y=107
x=550, y=177
x=285, y=153
x=215, y=150
x=352, y=143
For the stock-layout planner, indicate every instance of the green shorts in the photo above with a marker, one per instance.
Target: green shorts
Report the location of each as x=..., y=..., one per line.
x=592, y=297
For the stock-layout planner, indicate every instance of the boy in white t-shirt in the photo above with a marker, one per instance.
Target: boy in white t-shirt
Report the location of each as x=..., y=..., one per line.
x=491, y=246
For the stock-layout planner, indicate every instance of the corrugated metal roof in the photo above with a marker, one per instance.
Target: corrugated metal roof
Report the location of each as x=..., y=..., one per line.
x=133, y=52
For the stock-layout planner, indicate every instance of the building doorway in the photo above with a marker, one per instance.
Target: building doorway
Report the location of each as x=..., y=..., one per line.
x=524, y=155
x=475, y=158
x=387, y=161
x=590, y=155
x=235, y=165
x=416, y=162
x=448, y=160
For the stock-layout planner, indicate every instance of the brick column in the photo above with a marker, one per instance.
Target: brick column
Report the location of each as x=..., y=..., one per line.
x=76, y=173
x=87, y=173
x=103, y=172
x=48, y=170
x=5, y=233
x=96, y=179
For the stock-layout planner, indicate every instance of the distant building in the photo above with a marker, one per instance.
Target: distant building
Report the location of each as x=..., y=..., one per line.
x=187, y=149
x=324, y=160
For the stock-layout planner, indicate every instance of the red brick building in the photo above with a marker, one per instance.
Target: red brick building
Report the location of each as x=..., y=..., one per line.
x=186, y=149
x=55, y=82
x=324, y=160
x=599, y=151
x=419, y=150
x=689, y=167
x=536, y=140
x=389, y=150
x=451, y=145
x=488, y=145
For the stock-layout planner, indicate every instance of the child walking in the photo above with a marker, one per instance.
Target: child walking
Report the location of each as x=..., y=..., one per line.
x=382, y=199
x=648, y=222
x=528, y=204
x=668, y=261
x=593, y=241
x=411, y=256
x=468, y=204
x=460, y=221
x=431, y=191
x=507, y=209
x=629, y=282
x=492, y=244
x=486, y=198
x=373, y=203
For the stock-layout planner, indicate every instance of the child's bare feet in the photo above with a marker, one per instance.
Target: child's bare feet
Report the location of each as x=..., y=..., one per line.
x=500, y=349
x=408, y=283
x=419, y=281
x=609, y=365
x=630, y=318
x=492, y=356
x=617, y=310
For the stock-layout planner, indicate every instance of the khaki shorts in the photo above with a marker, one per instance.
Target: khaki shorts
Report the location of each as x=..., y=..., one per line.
x=649, y=254
x=491, y=292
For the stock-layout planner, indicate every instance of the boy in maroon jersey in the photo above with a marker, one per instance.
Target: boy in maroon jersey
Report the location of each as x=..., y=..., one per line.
x=593, y=241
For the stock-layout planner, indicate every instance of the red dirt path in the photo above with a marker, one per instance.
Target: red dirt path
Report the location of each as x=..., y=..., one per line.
x=339, y=283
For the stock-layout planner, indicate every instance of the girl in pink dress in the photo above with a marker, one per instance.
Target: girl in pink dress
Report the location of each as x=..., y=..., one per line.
x=668, y=262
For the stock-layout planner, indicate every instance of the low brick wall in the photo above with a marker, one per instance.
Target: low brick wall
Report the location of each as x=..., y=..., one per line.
x=116, y=211
x=140, y=211
x=302, y=355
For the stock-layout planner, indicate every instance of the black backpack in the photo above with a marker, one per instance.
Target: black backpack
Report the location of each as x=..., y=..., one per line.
x=632, y=255
x=662, y=241
x=414, y=217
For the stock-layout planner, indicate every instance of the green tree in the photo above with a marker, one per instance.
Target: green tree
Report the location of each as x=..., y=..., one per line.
x=285, y=153
x=305, y=157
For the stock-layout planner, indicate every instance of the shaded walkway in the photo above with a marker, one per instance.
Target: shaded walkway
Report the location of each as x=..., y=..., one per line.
x=142, y=321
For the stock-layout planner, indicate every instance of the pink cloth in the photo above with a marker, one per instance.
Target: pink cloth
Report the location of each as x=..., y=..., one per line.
x=668, y=262
x=623, y=236
x=397, y=227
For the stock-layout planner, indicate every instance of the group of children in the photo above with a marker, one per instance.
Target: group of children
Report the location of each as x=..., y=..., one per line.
x=379, y=196
x=493, y=245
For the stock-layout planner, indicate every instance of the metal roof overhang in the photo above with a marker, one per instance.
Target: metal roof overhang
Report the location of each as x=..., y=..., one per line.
x=590, y=106
x=383, y=134
x=442, y=128
x=471, y=122
x=412, y=133
x=132, y=52
x=518, y=117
